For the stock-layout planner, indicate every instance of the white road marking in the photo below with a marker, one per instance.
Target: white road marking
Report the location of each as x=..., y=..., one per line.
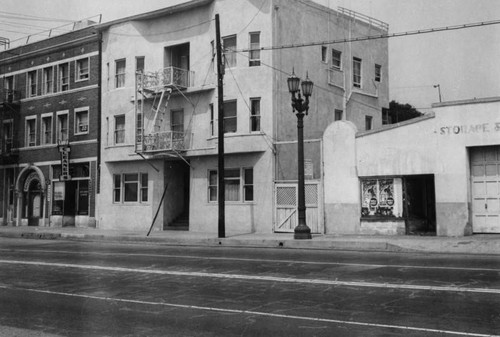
x=215, y=258
x=256, y=313
x=261, y=278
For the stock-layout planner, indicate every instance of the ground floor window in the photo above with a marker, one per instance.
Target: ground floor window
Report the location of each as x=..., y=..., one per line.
x=71, y=197
x=381, y=197
x=130, y=187
x=238, y=185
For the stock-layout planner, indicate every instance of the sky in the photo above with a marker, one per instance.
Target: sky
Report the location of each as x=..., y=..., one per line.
x=463, y=62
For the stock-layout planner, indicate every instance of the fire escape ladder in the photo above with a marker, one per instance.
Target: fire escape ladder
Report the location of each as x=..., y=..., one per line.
x=160, y=110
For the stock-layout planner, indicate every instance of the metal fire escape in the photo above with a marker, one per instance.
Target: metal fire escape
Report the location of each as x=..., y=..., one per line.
x=9, y=119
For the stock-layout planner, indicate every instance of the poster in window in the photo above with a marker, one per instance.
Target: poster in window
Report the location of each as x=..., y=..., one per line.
x=377, y=197
x=386, y=197
x=369, y=197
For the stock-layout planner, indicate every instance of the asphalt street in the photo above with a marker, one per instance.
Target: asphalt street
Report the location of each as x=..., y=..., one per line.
x=62, y=288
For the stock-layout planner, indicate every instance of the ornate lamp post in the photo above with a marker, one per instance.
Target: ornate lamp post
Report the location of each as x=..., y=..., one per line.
x=300, y=108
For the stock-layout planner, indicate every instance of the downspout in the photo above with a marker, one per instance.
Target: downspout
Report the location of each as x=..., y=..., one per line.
x=99, y=124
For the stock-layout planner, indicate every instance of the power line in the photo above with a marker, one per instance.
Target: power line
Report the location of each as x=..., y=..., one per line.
x=258, y=12
x=378, y=36
x=21, y=16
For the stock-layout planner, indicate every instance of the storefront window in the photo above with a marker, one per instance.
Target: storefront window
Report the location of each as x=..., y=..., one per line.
x=381, y=197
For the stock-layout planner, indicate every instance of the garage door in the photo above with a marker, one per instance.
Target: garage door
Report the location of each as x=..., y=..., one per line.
x=485, y=173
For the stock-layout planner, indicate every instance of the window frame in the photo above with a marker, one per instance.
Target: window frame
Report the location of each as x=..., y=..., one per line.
x=231, y=61
x=254, y=50
x=338, y=114
x=235, y=116
x=44, y=131
x=116, y=130
x=255, y=118
x=79, y=76
x=7, y=135
x=324, y=54
x=63, y=81
x=212, y=120
x=336, y=59
x=139, y=187
x=59, y=128
x=368, y=123
x=31, y=83
x=243, y=185
x=120, y=77
x=48, y=84
x=357, y=77
x=30, y=130
x=378, y=73
x=137, y=62
x=79, y=111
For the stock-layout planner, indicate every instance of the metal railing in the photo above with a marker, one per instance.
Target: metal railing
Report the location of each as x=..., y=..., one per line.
x=163, y=141
x=167, y=77
x=364, y=18
x=8, y=147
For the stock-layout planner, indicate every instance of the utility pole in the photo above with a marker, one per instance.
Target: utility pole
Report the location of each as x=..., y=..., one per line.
x=220, y=108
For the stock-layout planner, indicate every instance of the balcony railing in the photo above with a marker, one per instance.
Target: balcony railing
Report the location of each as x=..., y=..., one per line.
x=165, y=78
x=8, y=148
x=10, y=96
x=163, y=141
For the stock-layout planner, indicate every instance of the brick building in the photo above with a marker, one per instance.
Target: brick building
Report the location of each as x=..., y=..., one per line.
x=49, y=130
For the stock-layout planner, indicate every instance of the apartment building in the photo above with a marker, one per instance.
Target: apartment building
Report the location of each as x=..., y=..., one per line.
x=159, y=111
x=49, y=123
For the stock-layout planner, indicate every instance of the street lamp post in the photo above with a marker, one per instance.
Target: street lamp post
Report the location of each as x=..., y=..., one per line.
x=300, y=108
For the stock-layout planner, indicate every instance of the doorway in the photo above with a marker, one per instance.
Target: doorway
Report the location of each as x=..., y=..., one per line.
x=34, y=203
x=177, y=198
x=419, y=205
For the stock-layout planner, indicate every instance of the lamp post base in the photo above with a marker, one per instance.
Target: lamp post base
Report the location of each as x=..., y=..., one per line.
x=302, y=232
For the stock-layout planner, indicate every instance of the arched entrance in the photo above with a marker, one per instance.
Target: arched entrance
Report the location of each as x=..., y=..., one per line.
x=30, y=190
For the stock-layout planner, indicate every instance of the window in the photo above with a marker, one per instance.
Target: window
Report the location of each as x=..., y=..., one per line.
x=230, y=119
x=130, y=187
x=378, y=72
x=336, y=59
x=119, y=73
x=7, y=136
x=254, y=49
x=31, y=131
x=177, y=126
x=356, y=72
x=368, y=122
x=81, y=120
x=120, y=129
x=338, y=115
x=62, y=126
x=386, y=117
x=64, y=77
x=324, y=53
x=46, y=129
x=381, y=197
x=248, y=184
x=229, y=47
x=139, y=64
x=238, y=183
x=212, y=120
x=82, y=69
x=31, y=90
x=255, y=114
x=48, y=80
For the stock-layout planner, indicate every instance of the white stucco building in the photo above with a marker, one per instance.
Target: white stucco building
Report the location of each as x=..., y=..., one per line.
x=159, y=111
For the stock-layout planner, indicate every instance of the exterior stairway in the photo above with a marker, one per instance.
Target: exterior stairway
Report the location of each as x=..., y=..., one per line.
x=181, y=223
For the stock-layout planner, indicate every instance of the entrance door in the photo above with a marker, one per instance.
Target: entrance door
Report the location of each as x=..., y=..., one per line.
x=485, y=176
x=35, y=203
x=419, y=205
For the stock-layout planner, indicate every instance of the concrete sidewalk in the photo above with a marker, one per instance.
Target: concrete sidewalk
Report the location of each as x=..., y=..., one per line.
x=477, y=244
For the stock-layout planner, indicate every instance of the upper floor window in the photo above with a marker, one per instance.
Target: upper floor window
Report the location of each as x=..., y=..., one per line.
x=120, y=129
x=230, y=116
x=30, y=131
x=81, y=120
x=64, y=77
x=46, y=129
x=338, y=115
x=336, y=59
x=48, y=80
x=254, y=49
x=62, y=126
x=229, y=47
x=356, y=72
x=255, y=114
x=82, y=69
x=31, y=82
x=7, y=135
x=212, y=120
x=378, y=72
x=120, y=73
x=177, y=126
x=139, y=64
x=324, y=54
x=368, y=122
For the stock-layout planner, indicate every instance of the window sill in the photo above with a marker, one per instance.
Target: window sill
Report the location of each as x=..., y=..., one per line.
x=234, y=203
x=382, y=219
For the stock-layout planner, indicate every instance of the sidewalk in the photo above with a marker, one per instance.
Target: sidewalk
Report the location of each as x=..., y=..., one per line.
x=477, y=244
